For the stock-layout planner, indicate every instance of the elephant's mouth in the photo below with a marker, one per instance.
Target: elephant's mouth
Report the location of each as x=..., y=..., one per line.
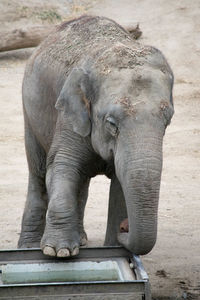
x=124, y=227
x=123, y=232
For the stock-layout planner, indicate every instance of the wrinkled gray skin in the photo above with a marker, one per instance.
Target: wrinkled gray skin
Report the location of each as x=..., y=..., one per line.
x=95, y=102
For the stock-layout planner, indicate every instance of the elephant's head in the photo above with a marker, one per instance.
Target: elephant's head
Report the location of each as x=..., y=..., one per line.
x=124, y=101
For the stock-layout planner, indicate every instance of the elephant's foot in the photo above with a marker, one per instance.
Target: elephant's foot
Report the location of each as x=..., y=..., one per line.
x=60, y=243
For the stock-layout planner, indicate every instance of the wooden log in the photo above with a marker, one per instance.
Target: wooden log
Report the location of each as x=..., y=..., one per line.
x=32, y=36
x=23, y=37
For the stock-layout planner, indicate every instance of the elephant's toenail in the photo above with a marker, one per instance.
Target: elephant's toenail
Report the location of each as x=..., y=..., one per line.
x=63, y=253
x=75, y=251
x=49, y=251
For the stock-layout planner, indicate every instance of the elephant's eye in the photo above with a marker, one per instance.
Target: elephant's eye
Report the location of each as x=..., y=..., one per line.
x=111, y=126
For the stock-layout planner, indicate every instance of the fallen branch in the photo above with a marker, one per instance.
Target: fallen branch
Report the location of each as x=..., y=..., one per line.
x=23, y=38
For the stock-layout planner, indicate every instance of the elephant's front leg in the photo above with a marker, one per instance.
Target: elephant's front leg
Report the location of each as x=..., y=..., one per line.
x=62, y=235
x=116, y=212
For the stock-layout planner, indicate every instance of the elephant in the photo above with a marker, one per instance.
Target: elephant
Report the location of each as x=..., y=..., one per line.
x=95, y=101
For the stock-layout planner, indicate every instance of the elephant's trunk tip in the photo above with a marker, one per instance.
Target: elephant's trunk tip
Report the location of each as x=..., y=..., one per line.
x=137, y=247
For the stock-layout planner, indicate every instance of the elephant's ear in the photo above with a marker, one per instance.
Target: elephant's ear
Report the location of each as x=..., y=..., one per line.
x=73, y=101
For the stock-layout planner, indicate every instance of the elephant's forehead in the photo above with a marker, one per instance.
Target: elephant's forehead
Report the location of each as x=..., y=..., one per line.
x=145, y=82
x=132, y=93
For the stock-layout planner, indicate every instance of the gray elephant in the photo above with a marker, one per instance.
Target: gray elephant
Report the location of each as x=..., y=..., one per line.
x=95, y=102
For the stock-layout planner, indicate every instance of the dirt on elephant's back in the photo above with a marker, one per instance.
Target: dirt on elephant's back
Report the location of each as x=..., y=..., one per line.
x=83, y=37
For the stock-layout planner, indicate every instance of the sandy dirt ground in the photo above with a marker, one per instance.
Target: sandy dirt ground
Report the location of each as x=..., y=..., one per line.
x=173, y=27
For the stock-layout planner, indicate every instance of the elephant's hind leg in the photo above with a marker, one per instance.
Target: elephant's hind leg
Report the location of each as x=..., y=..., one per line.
x=116, y=213
x=33, y=221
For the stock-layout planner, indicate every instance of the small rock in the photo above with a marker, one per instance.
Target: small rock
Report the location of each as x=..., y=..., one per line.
x=161, y=273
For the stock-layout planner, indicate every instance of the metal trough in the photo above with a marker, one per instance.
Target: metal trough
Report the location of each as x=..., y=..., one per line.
x=96, y=273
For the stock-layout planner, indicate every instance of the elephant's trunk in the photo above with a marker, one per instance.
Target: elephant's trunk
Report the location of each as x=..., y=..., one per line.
x=138, y=166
